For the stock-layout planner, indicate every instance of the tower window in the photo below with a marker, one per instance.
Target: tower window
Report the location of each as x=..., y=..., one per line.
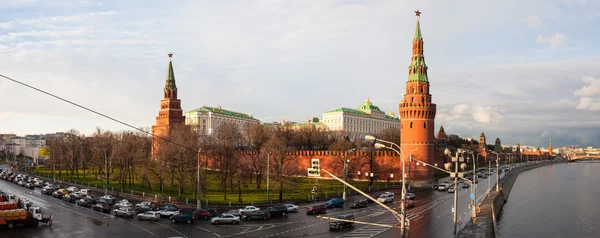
x=411, y=125
x=423, y=100
x=421, y=89
x=425, y=125
x=413, y=99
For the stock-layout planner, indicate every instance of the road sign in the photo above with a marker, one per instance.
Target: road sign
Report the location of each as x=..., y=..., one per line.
x=315, y=169
x=459, y=222
x=472, y=196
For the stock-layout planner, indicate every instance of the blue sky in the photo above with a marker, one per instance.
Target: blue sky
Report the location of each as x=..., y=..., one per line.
x=523, y=71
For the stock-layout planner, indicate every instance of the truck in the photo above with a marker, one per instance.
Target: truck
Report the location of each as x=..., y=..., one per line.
x=13, y=216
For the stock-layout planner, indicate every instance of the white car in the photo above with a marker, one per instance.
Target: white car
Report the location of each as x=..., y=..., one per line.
x=72, y=189
x=386, y=197
x=292, y=207
x=124, y=203
x=225, y=218
x=168, y=212
x=150, y=215
x=248, y=209
x=451, y=190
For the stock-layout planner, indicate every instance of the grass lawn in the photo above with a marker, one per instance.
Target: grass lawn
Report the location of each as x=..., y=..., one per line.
x=296, y=189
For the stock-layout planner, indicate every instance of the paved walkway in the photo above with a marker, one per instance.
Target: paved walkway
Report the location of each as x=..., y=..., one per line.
x=483, y=226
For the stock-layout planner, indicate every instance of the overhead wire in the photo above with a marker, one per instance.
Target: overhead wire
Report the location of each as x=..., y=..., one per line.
x=95, y=112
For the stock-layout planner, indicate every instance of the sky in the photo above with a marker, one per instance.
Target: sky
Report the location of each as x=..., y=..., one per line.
x=523, y=71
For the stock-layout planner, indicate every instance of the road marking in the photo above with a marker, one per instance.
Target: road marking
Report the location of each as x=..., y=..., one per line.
x=209, y=231
x=171, y=229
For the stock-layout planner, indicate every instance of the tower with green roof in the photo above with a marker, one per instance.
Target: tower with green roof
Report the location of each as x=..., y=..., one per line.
x=417, y=112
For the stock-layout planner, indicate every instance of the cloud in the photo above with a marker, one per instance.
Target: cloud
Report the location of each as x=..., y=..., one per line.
x=53, y=34
x=580, y=2
x=554, y=41
x=534, y=21
x=477, y=113
x=589, y=94
x=6, y=25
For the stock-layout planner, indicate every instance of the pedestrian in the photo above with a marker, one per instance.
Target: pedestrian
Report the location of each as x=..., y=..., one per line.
x=479, y=209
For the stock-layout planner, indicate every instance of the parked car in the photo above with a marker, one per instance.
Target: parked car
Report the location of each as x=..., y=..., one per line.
x=451, y=189
x=277, y=210
x=201, y=213
x=168, y=212
x=38, y=184
x=249, y=209
x=124, y=203
x=124, y=211
x=224, y=219
x=410, y=196
x=335, y=202
x=21, y=183
x=86, y=192
x=256, y=215
x=409, y=204
x=235, y=212
x=212, y=211
x=84, y=202
x=360, y=203
x=317, y=209
x=292, y=207
x=142, y=209
x=57, y=194
x=72, y=189
x=341, y=224
x=69, y=198
x=102, y=207
x=47, y=190
x=443, y=186
x=186, y=217
x=108, y=199
x=386, y=197
x=149, y=215
x=29, y=186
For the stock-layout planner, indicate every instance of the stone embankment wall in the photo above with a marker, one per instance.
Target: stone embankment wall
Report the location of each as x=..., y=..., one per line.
x=486, y=226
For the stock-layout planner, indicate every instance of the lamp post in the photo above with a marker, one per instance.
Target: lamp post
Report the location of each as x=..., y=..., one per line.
x=403, y=198
x=346, y=161
x=268, y=163
x=106, y=173
x=457, y=159
x=198, y=203
x=497, y=169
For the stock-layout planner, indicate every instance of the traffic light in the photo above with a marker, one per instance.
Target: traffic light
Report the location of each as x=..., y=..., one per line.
x=315, y=169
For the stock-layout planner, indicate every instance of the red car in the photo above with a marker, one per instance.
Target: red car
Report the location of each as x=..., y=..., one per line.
x=204, y=214
x=409, y=204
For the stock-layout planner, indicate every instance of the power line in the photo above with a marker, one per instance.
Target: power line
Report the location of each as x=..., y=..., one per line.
x=95, y=112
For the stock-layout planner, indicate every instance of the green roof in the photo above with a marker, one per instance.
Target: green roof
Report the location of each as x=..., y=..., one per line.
x=170, y=78
x=219, y=110
x=418, y=30
x=358, y=112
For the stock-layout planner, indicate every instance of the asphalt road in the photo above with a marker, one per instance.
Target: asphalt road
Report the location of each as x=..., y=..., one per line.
x=431, y=217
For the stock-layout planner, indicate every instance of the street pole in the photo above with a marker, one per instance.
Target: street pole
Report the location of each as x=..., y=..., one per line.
x=53, y=170
x=198, y=203
x=268, y=162
x=403, y=199
x=345, y=176
x=455, y=195
x=497, y=172
x=106, y=172
x=490, y=174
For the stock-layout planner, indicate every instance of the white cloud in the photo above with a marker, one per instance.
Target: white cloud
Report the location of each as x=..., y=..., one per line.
x=580, y=2
x=534, y=21
x=590, y=94
x=53, y=34
x=486, y=114
x=6, y=25
x=554, y=41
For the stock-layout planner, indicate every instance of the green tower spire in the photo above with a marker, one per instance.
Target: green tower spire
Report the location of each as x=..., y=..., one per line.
x=417, y=70
x=171, y=75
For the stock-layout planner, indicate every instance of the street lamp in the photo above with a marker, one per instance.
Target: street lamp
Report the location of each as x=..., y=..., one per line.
x=198, y=203
x=346, y=161
x=403, y=198
x=497, y=169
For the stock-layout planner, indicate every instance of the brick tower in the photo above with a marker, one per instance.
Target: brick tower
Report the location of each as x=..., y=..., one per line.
x=482, y=145
x=417, y=113
x=170, y=112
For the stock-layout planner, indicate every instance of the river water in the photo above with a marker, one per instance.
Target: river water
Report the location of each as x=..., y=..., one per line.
x=561, y=200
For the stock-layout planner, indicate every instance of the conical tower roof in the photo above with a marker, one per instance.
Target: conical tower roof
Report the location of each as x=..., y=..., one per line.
x=170, y=84
x=417, y=70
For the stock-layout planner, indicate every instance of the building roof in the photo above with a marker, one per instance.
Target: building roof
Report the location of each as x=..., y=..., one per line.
x=220, y=110
x=170, y=84
x=417, y=60
x=362, y=110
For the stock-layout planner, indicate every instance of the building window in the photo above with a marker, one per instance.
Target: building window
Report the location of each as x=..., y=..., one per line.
x=410, y=124
x=425, y=125
x=413, y=99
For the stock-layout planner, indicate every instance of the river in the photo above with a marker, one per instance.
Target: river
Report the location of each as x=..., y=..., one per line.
x=560, y=200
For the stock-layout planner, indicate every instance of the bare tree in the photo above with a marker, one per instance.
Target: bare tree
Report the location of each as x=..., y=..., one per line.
x=283, y=164
x=255, y=137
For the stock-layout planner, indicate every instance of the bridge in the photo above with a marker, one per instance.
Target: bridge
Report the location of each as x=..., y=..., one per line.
x=583, y=157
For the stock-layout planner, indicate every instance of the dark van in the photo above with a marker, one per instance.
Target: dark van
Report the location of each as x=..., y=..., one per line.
x=341, y=224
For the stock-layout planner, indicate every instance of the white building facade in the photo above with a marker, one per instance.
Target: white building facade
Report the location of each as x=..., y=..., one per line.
x=367, y=119
x=208, y=119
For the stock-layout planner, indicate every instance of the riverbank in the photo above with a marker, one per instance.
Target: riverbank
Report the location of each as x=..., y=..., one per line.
x=485, y=223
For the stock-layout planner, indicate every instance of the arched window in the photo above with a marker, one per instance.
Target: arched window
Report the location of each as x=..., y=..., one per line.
x=413, y=99
x=423, y=100
x=422, y=90
x=425, y=125
x=410, y=124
